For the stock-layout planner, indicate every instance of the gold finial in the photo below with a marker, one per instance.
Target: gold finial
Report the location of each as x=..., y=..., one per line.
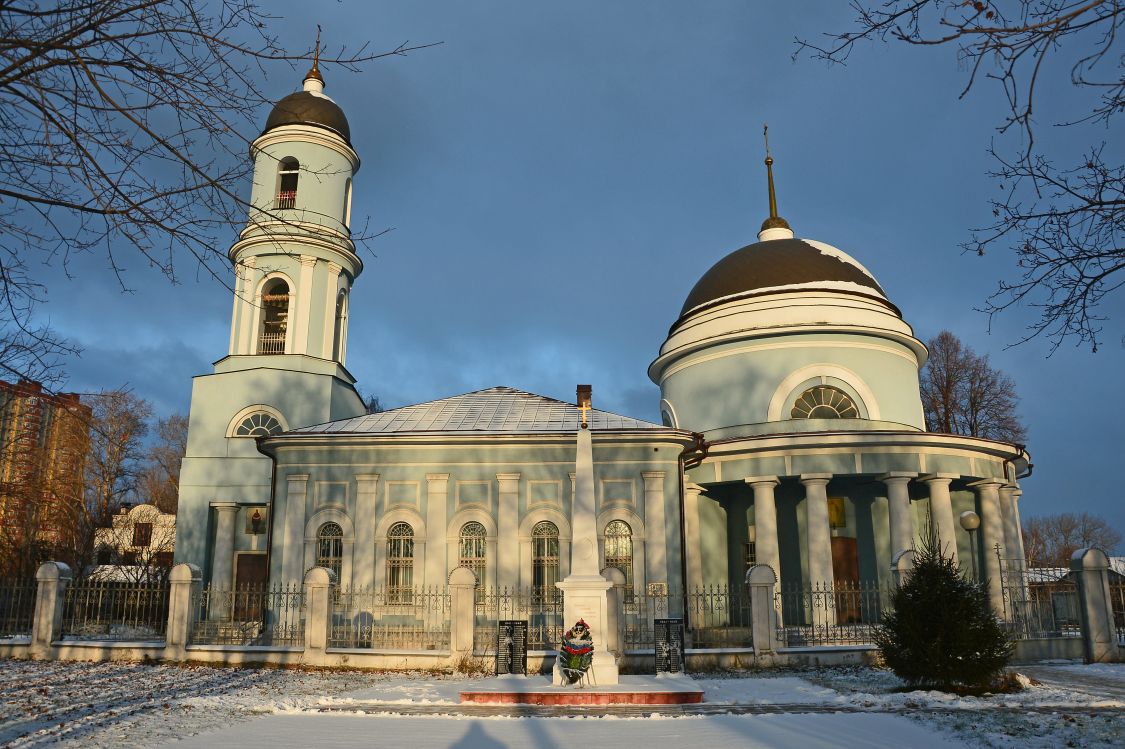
x=774, y=221
x=314, y=71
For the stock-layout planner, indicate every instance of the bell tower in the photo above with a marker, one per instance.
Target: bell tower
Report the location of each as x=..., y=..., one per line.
x=294, y=265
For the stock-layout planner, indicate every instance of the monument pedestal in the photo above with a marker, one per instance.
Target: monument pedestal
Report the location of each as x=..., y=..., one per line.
x=587, y=597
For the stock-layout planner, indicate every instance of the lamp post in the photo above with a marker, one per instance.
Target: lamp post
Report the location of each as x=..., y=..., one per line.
x=970, y=521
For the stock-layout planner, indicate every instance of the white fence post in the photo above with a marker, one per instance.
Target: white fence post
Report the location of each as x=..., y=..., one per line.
x=53, y=579
x=763, y=617
x=462, y=583
x=318, y=614
x=183, y=586
x=1099, y=634
x=615, y=614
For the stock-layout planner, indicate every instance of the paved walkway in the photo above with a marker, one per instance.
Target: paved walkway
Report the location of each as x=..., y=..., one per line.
x=1096, y=680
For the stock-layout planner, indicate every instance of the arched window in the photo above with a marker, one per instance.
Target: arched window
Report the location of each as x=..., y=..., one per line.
x=341, y=327
x=288, y=170
x=260, y=424
x=400, y=563
x=545, y=558
x=619, y=552
x=330, y=548
x=472, y=550
x=824, y=402
x=275, y=317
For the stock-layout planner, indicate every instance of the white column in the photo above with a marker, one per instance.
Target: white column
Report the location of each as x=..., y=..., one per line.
x=765, y=522
x=1011, y=523
x=437, y=498
x=246, y=341
x=292, y=544
x=901, y=516
x=693, y=551
x=508, y=529
x=992, y=534
x=941, y=510
x=817, y=529
x=366, y=497
x=328, y=333
x=222, y=556
x=299, y=318
x=657, y=555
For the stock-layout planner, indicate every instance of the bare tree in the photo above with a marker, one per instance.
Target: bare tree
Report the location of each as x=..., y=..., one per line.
x=124, y=126
x=1064, y=222
x=1049, y=540
x=115, y=463
x=160, y=478
x=139, y=542
x=963, y=394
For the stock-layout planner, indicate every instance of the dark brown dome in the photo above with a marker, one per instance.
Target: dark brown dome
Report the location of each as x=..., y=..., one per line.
x=774, y=263
x=305, y=108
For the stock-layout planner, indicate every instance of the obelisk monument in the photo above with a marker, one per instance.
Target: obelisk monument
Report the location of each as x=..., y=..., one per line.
x=585, y=591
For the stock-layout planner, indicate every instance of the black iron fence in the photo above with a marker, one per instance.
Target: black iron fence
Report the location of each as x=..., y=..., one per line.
x=841, y=613
x=540, y=606
x=113, y=610
x=17, y=607
x=1039, y=601
x=249, y=615
x=390, y=618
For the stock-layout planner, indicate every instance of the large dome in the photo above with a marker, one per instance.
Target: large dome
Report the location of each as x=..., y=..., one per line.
x=780, y=265
x=309, y=108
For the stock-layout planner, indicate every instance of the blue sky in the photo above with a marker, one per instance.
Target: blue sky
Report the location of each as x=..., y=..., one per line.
x=559, y=175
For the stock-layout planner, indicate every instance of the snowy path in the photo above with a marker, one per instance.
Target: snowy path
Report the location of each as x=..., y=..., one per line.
x=714, y=732
x=1104, y=679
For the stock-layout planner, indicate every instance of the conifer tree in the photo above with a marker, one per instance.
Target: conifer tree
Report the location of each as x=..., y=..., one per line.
x=941, y=632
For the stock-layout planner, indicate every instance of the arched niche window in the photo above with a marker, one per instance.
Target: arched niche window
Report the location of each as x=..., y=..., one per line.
x=471, y=551
x=619, y=552
x=288, y=170
x=339, y=331
x=275, y=317
x=348, y=203
x=260, y=424
x=545, y=558
x=400, y=563
x=330, y=548
x=824, y=402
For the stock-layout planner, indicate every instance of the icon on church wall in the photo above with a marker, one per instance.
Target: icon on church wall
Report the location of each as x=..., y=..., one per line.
x=256, y=520
x=837, y=514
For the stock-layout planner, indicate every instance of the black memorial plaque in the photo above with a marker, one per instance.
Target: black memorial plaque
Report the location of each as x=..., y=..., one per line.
x=669, y=645
x=511, y=647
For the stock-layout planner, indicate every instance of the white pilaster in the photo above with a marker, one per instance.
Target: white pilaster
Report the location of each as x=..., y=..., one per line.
x=901, y=516
x=508, y=529
x=941, y=510
x=437, y=496
x=292, y=546
x=656, y=553
x=328, y=337
x=222, y=557
x=1011, y=523
x=366, y=499
x=300, y=325
x=765, y=522
x=693, y=553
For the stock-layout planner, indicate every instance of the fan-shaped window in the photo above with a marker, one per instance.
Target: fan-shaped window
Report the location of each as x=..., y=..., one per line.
x=619, y=552
x=288, y=170
x=545, y=558
x=824, y=402
x=400, y=563
x=330, y=548
x=260, y=424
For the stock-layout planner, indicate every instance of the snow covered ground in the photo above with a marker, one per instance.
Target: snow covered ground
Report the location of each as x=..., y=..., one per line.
x=135, y=705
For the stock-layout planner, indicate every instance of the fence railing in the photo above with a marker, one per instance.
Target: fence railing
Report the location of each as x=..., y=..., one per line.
x=17, y=607
x=390, y=618
x=540, y=606
x=1117, y=605
x=638, y=631
x=840, y=613
x=719, y=616
x=113, y=610
x=249, y=615
x=1039, y=602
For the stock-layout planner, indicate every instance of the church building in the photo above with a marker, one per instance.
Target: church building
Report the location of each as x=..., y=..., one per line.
x=792, y=436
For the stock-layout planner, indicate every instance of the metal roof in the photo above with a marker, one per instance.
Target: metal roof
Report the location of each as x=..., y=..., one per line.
x=498, y=410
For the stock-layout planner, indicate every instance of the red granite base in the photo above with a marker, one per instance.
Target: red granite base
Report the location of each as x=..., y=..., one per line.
x=583, y=697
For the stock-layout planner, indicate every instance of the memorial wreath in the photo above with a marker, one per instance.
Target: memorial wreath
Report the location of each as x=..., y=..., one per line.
x=577, y=652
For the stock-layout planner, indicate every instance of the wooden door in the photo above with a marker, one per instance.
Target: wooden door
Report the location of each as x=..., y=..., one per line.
x=845, y=568
x=250, y=575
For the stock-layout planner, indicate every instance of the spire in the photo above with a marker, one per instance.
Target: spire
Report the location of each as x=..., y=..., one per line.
x=774, y=227
x=314, y=82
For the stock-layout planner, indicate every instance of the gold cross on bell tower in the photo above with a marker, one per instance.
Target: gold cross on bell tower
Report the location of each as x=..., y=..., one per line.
x=585, y=398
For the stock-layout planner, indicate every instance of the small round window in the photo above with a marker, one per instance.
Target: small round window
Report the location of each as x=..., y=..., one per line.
x=824, y=402
x=260, y=424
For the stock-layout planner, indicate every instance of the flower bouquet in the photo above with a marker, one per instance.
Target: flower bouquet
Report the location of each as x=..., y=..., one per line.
x=576, y=653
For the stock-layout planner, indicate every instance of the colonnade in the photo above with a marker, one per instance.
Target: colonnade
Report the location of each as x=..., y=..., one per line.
x=999, y=523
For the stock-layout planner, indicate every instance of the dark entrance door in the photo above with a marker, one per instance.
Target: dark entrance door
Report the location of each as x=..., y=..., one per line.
x=845, y=568
x=249, y=584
